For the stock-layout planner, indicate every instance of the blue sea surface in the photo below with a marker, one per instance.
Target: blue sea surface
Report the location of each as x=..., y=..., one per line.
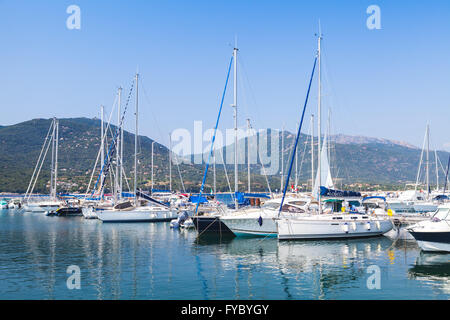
x=152, y=261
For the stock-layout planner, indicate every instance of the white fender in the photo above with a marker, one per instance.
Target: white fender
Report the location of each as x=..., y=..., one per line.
x=354, y=226
x=378, y=225
x=368, y=226
x=345, y=227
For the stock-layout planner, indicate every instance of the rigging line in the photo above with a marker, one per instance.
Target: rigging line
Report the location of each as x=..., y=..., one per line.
x=443, y=169
x=39, y=159
x=298, y=135
x=112, y=148
x=260, y=161
x=161, y=136
x=126, y=178
x=226, y=172
x=241, y=63
x=291, y=151
x=39, y=171
x=303, y=156
x=436, y=162
x=214, y=137
x=334, y=100
x=446, y=175
x=179, y=172
x=242, y=90
x=99, y=151
x=106, y=144
x=421, y=159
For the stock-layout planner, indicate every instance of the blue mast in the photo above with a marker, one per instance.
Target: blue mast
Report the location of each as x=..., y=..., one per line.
x=298, y=136
x=214, y=138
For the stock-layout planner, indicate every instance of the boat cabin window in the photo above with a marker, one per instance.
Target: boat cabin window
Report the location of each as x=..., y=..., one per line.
x=271, y=205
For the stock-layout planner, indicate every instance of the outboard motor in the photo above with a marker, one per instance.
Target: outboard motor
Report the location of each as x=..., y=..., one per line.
x=176, y=223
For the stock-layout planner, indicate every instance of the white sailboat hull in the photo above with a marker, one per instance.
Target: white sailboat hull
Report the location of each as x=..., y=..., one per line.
x=250, y=226
x=327, y=228
x=41, y=207
x=136, y=215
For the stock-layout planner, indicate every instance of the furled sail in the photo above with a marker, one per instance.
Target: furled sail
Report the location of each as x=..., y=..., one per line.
x=325, y=173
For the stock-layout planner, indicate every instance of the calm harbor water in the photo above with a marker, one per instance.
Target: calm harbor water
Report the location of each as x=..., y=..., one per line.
x=152, y=261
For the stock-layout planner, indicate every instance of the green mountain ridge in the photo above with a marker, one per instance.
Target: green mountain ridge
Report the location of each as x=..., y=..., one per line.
x=79, y=142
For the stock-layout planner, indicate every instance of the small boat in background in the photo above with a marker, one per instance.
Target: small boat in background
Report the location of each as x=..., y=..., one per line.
x=3, y=204
x=128, y=212
x=260, y=222
x=14, y=204
x=68, y=212
x=42, y=206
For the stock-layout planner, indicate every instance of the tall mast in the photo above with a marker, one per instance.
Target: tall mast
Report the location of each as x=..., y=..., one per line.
x=312, y=153
x=437, y=170
x=328, y=135
x=214, y=171
x=118, y=159
x=296, y=169
x=421, y=159
x=52, y=168
x=136, y=141
x=121, y=157
x=282, y=159
x=56, y=154
x=236, y=182
x=170, y=163
x=248, y=153
x=428, y=159
x=319, y=106
x=151, y=191
x=102, y=145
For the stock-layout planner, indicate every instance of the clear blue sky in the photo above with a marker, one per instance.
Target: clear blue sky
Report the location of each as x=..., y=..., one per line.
x=382, y=83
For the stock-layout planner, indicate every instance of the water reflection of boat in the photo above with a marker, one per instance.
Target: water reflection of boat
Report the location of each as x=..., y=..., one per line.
x=435, y=268
x=431, y=264
x=310, y=269
x=305, y=255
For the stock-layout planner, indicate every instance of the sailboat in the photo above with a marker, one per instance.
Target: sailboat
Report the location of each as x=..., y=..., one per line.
x=418, y=201
x=53, y=203
x=137, y=210
x=209, y=222
x=262, y=221
x=322, y=225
